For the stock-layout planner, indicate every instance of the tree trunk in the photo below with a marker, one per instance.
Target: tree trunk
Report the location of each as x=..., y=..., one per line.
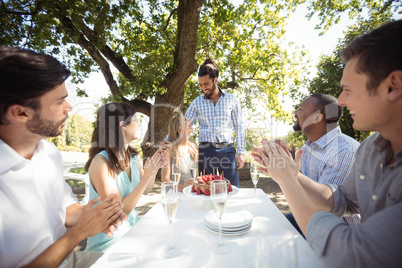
x=188, y=14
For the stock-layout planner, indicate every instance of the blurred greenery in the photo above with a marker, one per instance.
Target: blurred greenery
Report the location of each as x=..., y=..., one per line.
x=76, y=184
x=76, y=135
x=78, y=170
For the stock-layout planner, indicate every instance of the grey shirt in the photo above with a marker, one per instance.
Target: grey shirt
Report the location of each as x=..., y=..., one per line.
x=374, y=190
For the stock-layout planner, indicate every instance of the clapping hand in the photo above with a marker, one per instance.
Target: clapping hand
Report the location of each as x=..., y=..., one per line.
x=165, y=145
x=101, y=218
x=277, y=160
x=154, y=163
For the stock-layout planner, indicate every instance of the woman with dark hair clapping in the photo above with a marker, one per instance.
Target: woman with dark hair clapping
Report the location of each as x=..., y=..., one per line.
x=115, y=167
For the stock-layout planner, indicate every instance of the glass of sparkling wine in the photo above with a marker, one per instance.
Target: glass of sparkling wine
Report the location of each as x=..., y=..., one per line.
x=193, y=172
x=255, y=176
x=219, y=196
x=169, y=203
x=176, y=174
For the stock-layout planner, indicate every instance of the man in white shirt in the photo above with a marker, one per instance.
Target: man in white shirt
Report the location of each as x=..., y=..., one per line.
x=36, y=203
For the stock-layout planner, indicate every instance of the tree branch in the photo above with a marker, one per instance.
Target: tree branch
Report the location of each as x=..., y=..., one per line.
x=96, y=38
x=140, y=106
x=80, y=39
x=168, y=19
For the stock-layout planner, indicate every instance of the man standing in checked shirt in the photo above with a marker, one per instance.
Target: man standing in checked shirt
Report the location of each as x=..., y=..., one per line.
x=218, y=113
x=328, y=154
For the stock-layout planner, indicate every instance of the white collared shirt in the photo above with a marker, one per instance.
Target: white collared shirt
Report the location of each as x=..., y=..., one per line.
x=33, y=202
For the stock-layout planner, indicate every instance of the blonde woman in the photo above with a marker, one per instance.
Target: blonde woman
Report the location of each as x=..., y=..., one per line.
x=183, y=152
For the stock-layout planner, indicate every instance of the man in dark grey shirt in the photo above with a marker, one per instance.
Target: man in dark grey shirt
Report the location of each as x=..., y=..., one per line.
x=372, y=91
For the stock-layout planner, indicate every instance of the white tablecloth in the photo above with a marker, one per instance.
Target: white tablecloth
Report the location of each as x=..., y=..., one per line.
x=140, y=247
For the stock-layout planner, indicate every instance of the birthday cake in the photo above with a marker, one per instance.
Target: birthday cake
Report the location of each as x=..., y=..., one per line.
x=202, y=184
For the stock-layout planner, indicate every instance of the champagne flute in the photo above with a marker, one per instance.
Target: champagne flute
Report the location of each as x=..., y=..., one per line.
x=219, y=196
x=193, y=172
x=255, y=176
x=176, y=174
x=169, y=203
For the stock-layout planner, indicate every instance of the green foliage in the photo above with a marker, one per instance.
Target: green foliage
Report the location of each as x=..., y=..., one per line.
x=330, y=71
x=76, y=136
x=254, y=137
x=297, y=138
x=78, y=131
x=245, y=38
x=330, y=12
x=78, y=170
x=247, y=41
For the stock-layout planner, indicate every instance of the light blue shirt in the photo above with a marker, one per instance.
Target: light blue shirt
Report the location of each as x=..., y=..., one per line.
x=329, y=159
x=100, y=242
x=217, y=121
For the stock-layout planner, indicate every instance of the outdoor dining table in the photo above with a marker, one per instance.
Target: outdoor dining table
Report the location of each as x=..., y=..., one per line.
x=140, y=246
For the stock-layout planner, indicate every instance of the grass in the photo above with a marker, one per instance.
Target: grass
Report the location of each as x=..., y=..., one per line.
x=76, y=184
x=78, y=170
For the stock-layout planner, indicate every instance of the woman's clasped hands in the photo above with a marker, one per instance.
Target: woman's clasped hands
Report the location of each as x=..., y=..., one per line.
x=158, y=160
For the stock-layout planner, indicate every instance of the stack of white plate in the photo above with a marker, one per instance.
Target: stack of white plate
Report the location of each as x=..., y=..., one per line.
x=233, y=223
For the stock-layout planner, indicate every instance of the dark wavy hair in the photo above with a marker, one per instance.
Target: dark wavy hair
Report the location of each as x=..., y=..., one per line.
x=379, y=53
x=209, y=68
x=108, y=136
x=25, y=76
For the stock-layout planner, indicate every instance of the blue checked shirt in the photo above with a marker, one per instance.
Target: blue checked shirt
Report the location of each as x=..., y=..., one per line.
x=329, y=159
x=217, y=121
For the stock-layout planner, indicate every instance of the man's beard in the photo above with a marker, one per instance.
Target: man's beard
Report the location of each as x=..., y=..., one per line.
x=211, y=92
x=46, y=128
x=296, y=126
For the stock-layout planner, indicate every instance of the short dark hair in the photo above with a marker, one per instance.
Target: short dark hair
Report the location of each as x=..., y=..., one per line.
x=209, y=68
x=25, y=76
x=328, y=106
x=379, y=53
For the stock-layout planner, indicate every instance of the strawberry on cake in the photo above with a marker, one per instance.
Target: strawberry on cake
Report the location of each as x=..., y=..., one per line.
x=202, y=185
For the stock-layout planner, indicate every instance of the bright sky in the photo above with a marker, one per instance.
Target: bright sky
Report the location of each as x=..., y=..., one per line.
x=299, y=30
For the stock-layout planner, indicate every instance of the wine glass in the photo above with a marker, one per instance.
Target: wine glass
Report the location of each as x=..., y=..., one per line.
x=169, y=203
x=219, y=194
x=193, y=172
x=255, y=176
x=176, y=174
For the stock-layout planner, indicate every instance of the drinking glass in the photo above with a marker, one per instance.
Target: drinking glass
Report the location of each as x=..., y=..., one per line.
x=193, y=172
x=176, y=174
x=169, y=203
x=219, y=196
x=255, y=176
